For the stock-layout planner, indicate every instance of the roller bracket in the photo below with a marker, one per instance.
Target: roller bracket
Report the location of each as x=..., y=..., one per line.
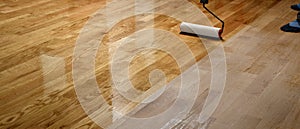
x=205, y=2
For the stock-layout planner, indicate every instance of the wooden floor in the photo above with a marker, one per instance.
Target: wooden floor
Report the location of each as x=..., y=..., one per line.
x=38, y=40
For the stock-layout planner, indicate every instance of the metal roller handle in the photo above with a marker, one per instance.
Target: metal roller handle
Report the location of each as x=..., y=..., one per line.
x=206, y=2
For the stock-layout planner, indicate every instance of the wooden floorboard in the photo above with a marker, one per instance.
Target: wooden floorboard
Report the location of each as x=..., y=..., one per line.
x=37, y=41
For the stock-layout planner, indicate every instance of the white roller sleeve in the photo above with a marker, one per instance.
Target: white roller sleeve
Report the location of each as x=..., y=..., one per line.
x=200, y=29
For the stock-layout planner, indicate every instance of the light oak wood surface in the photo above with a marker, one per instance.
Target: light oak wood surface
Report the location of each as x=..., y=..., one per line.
x=37, y=40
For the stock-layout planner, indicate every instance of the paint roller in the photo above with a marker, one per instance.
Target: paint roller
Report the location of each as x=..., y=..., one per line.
x=201, y=30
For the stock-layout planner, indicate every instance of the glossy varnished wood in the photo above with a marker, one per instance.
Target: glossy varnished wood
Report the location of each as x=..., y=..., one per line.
x=37, y=43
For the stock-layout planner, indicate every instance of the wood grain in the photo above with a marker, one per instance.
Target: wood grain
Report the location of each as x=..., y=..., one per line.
x=263, y=77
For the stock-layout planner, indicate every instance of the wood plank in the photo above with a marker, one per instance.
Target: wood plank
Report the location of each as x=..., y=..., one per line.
x=263, y=80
